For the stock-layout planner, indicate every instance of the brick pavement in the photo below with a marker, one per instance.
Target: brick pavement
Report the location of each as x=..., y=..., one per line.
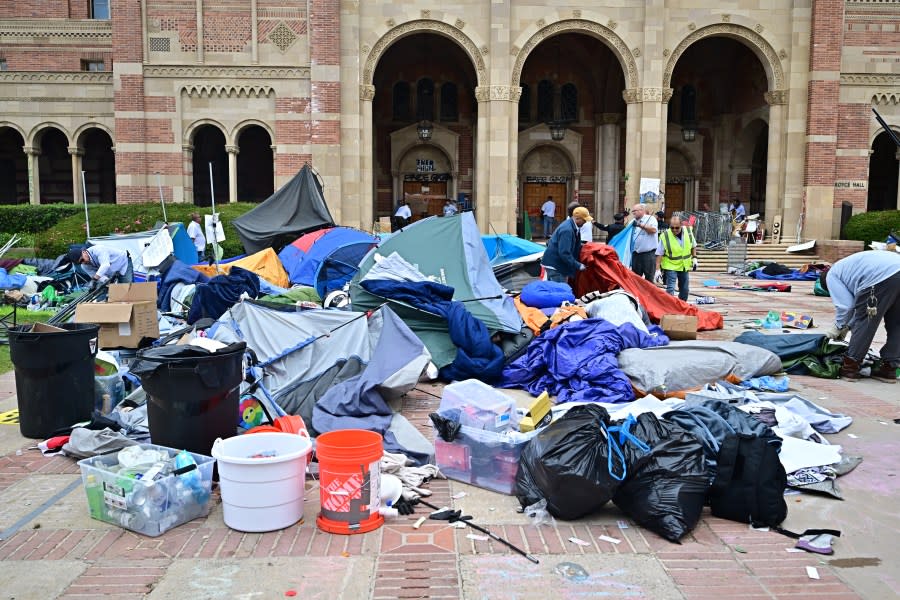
x=204, y=559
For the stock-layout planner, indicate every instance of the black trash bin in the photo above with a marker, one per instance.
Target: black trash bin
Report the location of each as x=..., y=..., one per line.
x=54, y=376
x=192, y=394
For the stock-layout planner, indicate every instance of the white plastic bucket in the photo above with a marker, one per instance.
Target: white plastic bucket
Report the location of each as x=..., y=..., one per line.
x=264, y=493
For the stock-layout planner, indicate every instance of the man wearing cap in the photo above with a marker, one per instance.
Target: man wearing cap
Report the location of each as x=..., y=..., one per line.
x=643, y=242
x=613, y=229
x=113, y=265
x=561, y=259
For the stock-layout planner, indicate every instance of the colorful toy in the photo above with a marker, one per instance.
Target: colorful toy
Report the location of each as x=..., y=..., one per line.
x=251, y=413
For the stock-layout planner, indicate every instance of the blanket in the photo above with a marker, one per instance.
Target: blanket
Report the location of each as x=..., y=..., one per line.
x=178, y=272
x=213, y=298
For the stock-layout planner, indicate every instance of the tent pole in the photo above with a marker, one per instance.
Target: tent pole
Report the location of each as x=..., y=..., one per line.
x=162, y=201
x=87, y=219
x=212, y=197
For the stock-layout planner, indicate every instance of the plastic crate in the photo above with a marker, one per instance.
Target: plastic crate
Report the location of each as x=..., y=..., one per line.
x=152, y=509
x=479, y=406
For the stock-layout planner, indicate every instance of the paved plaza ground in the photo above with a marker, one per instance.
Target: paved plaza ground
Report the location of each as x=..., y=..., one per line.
x=57, y=551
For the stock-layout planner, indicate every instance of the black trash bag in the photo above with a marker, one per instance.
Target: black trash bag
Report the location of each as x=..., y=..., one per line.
x=569, y=465
x=665, y=490
x=446, y=428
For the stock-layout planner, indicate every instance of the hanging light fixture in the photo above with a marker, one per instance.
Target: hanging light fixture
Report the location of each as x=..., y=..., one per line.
x=557, y=125
x=557, y=130
x=425, y=129
x=688, y=131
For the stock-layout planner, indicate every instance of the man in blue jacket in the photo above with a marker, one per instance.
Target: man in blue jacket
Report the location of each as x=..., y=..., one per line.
x=561, y=259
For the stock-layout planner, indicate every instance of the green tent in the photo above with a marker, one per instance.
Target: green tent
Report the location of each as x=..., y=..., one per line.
x=450, y=251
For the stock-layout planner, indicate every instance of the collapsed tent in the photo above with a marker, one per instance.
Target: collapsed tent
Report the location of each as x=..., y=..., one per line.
x=264, y=263
x=447, y=250
x=326, y=259
x=801, y=353
x=136, y=243
x=604, y=272
x=517, y=273
x=298, y=207
x=502, y=248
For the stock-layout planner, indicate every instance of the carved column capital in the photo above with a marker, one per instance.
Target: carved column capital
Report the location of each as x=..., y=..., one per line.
x=776, y=97
x=232, y=149
x=367, y=92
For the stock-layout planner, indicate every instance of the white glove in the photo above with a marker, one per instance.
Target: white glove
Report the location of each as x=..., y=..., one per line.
x=658, y=277
x=694, y=264
x=836, y=333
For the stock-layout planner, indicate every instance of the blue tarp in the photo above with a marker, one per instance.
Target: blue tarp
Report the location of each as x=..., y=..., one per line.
x=11, y=282
x=213, y=298
x=330, y=261
x=505, y=247
x=476, y=356
x=621, y=243
x=179, y=272
x=577, y=362
x=795, y=275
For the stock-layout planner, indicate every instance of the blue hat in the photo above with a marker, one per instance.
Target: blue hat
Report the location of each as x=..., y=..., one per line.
x=74, y=255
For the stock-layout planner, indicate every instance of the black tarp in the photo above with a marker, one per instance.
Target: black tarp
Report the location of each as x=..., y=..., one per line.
x=296, y=208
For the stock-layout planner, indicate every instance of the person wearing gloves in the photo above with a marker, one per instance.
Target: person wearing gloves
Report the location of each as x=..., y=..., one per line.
x=676, y=255
x=113, y=265
x=865, y=289
x=643, y=242
x=561, y=259
x=613, y=229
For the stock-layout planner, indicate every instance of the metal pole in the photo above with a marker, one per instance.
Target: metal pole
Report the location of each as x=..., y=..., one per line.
x=162, y=201
x=87, y=219
x=212, y=197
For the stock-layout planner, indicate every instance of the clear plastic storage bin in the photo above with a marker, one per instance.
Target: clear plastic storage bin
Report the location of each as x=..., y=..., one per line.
x=125, y=497
x=479, y=406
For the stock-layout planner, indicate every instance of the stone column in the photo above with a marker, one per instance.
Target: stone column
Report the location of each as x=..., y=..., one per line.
x=482, y=165
x=396, y=189
x=188, y=171
x=77, y=193
x=199, y=31
x=777, y=101
x=663, y=135
x=254, y=33
x=608, y=178
x=34, y=174
x=233, y=152
x=367, y=185
x=633, y=135
x=454, y=185
x=897, y=156
x=513, y=163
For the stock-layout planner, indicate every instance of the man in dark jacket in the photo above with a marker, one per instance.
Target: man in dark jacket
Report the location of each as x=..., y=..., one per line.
x=613, y=229
x=564, y=248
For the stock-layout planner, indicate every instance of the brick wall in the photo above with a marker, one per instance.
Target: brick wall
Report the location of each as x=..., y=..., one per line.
x=853, y=129
x=44, y=9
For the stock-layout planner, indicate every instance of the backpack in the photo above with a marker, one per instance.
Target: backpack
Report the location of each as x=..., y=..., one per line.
x=750, y=482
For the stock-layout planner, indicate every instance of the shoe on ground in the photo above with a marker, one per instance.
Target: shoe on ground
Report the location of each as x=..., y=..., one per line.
x=850, y=370
x=884, y=372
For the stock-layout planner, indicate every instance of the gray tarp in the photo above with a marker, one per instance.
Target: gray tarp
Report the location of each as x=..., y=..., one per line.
x=298, y=207
x=689, y=365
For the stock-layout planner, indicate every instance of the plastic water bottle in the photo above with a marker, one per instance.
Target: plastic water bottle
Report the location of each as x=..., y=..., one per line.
x=192, y=478
x=94, y=491
x=133, y=520
x=34, y=304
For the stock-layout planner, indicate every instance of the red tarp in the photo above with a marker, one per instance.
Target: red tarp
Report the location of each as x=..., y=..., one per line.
x=604, y=272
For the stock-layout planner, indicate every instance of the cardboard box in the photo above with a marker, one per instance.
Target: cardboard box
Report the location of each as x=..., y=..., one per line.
x=126, y=318
x=679, y=327
x=45, y=328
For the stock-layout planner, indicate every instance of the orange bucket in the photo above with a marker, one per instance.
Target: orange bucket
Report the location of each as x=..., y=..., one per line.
x=349, y=481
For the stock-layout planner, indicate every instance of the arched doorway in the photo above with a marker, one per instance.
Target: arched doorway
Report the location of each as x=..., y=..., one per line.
x=423, y=79
x=13, y=167
x=883, y=174
x=55, y=166
x=572, y=102
x=719, y=106
x=681, y=180
x=99, y=166
x=255, y=165
x=546, y=173
x=209, y=147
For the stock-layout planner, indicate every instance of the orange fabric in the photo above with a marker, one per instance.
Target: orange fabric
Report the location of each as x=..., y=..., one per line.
x=604, y=272
x=564, y=313
x=264, y=263
x=533, y=317
x=681, y=394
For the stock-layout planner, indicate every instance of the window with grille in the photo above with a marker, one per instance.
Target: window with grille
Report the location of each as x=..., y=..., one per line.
x=3, y=65
x=545, y=101
x=425, y=100
x=94, y=66
x=400, y=110
x=525, y=104
x=449, y=104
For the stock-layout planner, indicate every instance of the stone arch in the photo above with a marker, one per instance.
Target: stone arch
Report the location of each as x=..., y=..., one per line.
x=16, y=128
x=38, y=129
x=193, y=127
x=83, y=129
x=683, y=151
x=574, y=167
x=754, y=41
x=408, y=149
x=240, y=127
x=745, y=141
x=601, y=32
x=876, y=130
x=424, y=26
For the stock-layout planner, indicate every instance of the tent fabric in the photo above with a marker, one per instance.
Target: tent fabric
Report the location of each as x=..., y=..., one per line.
x=604, y=272
x=264, y=263
x=448, y=250
x=298, y=207
x=11, y=282
x=794, y=275
x=214, y=297
x=502, y=248
x=357, y=403
x=517, y=273
x=801, y=353
x=476, y=356
x=577, y=362
x=656, y=369
x=177, y=273
x=621, y=243
x=135, y=243
x=328, y=260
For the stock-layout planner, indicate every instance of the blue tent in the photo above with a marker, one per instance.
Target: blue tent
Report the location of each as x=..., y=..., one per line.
x=326, y=259
x=505, y=247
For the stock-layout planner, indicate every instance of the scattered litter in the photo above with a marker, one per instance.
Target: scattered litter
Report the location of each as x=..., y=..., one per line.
x=290, y=593
x=611, y=540
x=345, y=554
x=823, y=397
x=791, y=492
x=459, y=495
x=763, y=529
x=478, y=538
x=739, y=549
x=571, y=571
x=418, y=523
x=812, y=572
x=851, y=435
x=623, y=525
x=492, y=509
x=579, y=541
x=883, y=422
x=794, y=550
x=459, y=525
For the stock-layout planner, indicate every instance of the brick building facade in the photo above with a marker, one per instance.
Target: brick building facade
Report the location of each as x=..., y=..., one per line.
x=769, y=102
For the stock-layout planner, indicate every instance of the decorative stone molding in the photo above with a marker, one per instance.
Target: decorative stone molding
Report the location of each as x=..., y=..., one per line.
x=88, y=30
x=514, y=50
x=605, y=34
x=648, y=94
x=612, y=24
x=755, y=41
x=881, y=79
x=367, y=92
x=508, y=93
x=692, y=26
x=610, y=119
x=31, y=150
x=782, y=54
x=232, y=149
x=758, y=28
x=483, y=93
x=283, y=37
x=776, y=97
x=228, y=91
x=484, y=50
x=631, y=95
x=540, y=23
x=667, y=95
x=189, y=148
x=886, y=98
x=426, y=14
x=75, y=151
x=424, y=26
x=224, y=72
x=365, y=49
x=636, y=51
x=390, y=23
x=666, y=52
x=726, y=18
x=46, y=77
x=459, y=24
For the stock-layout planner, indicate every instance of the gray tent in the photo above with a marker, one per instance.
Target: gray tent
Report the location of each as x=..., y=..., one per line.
x=298, y=207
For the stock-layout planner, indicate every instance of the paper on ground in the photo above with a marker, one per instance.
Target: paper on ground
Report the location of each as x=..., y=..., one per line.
x=579, y=542
x=611, y=540
x=812, y=572
x=801, y=454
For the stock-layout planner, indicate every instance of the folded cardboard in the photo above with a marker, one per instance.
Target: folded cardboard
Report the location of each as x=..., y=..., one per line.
x=126, y=318
x=679, y=327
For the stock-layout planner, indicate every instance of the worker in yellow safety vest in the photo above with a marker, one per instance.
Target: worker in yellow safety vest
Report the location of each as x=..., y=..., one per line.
x=676, y=256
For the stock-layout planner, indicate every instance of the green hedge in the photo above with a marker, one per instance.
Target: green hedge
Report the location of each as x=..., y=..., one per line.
x=25, y=218
x=872, y=226
x=107, y=219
